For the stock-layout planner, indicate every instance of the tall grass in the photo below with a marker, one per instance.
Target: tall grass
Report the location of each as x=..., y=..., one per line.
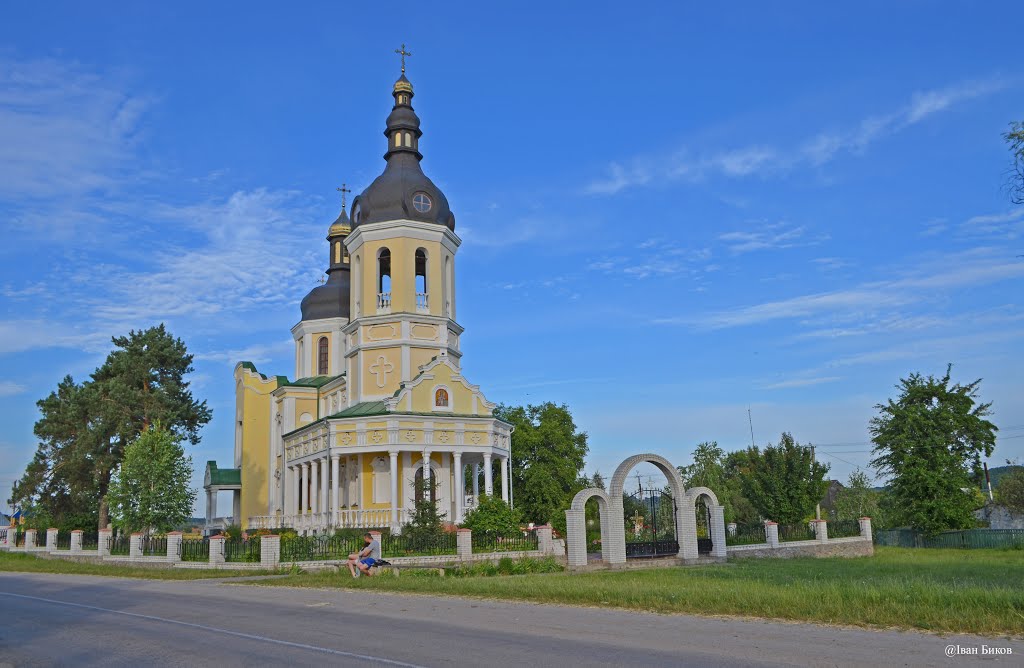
x=30, y=563
x=935, y=590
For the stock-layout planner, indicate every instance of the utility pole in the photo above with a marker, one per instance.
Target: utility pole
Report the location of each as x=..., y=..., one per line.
x=988, y=481
x=750, y=420
x=817, y=507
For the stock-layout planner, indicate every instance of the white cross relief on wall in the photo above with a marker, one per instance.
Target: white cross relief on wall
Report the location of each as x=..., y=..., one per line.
x=381, y=368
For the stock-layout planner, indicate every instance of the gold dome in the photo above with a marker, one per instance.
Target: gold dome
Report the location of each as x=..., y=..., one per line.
x=339, y=229
x=402, y=86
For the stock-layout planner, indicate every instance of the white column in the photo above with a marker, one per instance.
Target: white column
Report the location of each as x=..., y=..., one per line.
x=213, y=503
x=460, y=486
x=488, y=475
x=426, y=470
x=476, y=480
x=334, y=490
x=304, y=489
x=209, y=506
x=296, y=484
x=314, y=487
x=393, y=475
x=504, y=478
x=324, y=489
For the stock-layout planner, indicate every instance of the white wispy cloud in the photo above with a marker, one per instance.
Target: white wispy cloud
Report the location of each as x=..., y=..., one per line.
x=802, y=382
x=9, y=388
x=766, y=237
x=868, y=300
x=63, y=129
x=1008, y=225
x=684, y=164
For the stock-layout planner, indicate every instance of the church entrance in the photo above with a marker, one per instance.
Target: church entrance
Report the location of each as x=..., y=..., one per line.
x=649, y=516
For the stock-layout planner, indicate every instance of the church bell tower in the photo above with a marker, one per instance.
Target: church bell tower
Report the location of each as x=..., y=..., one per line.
x=402, y=248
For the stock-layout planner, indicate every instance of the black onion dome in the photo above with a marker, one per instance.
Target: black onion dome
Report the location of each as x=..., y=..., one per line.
x=330, y=300
x=402, y=191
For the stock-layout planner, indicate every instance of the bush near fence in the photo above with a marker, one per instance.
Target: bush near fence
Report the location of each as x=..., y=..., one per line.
x=968, y=539
x=407, y=546
x=491, y=542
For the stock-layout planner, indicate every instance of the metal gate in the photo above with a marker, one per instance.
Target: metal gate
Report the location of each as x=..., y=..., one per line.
x=650, y=518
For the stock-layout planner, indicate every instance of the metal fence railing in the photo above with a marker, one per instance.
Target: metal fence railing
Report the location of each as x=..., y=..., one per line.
x=968, y=539
x=517, y=542
x=193, y=549
x=747, y=534
x=318, y=548
x=413, y=546
x=843, y=529
x=121, y=545
x=792, y=532
x=64, y=540
x=237, y=549
x=90, y=540
x=154, y=546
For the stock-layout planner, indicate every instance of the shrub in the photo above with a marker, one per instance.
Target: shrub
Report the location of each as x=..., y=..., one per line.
x=493, y=516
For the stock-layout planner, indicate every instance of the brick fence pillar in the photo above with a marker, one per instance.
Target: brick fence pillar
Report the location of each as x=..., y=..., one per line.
x=174, y=546
x=135, y=546
x=216, y=550
x=270, y=551
x=865, y=527
x=717, y=531
x=51, y=539
x=103, y=542
x=771, y=533
x=30, y=539
x=821, y=530
x=464, y=544
x=76, y=541
x=545, y=539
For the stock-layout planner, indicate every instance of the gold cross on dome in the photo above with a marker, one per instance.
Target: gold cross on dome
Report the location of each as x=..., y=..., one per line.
x=403, y=53
x=344, y=191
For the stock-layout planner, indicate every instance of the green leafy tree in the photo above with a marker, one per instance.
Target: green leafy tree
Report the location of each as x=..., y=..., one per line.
x=1010, y=490
x=150, y=489
x=721, y=473
x=492, y=516
x=857, y=499
x=783, y=482
x=547, y=460
x=1015, y=140
x=84, y=427
x=930, y=441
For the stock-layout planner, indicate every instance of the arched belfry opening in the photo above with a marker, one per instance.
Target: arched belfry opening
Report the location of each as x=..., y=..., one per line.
x=322, y=356
x=421, y=280
x=384, y=280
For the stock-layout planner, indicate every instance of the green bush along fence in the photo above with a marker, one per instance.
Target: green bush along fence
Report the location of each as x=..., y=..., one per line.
x=517, y=542
x=747, y=534
x=407, y=546
x=236, y=549
x=969, y=539
x=195, y=550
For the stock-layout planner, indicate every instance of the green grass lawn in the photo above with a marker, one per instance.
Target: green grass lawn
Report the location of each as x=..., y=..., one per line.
x=29, y=563
x=966, y=591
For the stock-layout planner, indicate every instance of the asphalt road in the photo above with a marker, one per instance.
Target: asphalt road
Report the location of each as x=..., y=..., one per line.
x=69, y=620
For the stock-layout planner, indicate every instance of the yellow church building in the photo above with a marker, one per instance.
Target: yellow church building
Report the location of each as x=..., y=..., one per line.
x=378, y=400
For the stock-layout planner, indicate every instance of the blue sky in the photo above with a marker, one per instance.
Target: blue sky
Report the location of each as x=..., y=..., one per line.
x=670, y=214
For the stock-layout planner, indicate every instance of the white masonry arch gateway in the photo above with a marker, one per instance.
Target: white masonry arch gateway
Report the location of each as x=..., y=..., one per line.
x=613, y=529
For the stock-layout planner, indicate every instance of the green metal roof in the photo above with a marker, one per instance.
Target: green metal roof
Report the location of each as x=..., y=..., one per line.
x=312, y=381
x=223, y=476
x=362, y=409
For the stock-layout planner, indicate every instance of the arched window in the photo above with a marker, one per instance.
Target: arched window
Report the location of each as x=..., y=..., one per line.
x=321, y=356
x=384, y=279
x=441, y=398
x=422, y=490
x=421, y=279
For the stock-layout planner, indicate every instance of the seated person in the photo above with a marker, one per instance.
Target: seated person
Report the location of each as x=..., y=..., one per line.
x=362, y=561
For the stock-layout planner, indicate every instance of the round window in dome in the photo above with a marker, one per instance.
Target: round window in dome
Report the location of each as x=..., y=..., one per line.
x=421, y=202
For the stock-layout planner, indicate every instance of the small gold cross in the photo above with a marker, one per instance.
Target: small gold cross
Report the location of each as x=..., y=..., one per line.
x=403, y=53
